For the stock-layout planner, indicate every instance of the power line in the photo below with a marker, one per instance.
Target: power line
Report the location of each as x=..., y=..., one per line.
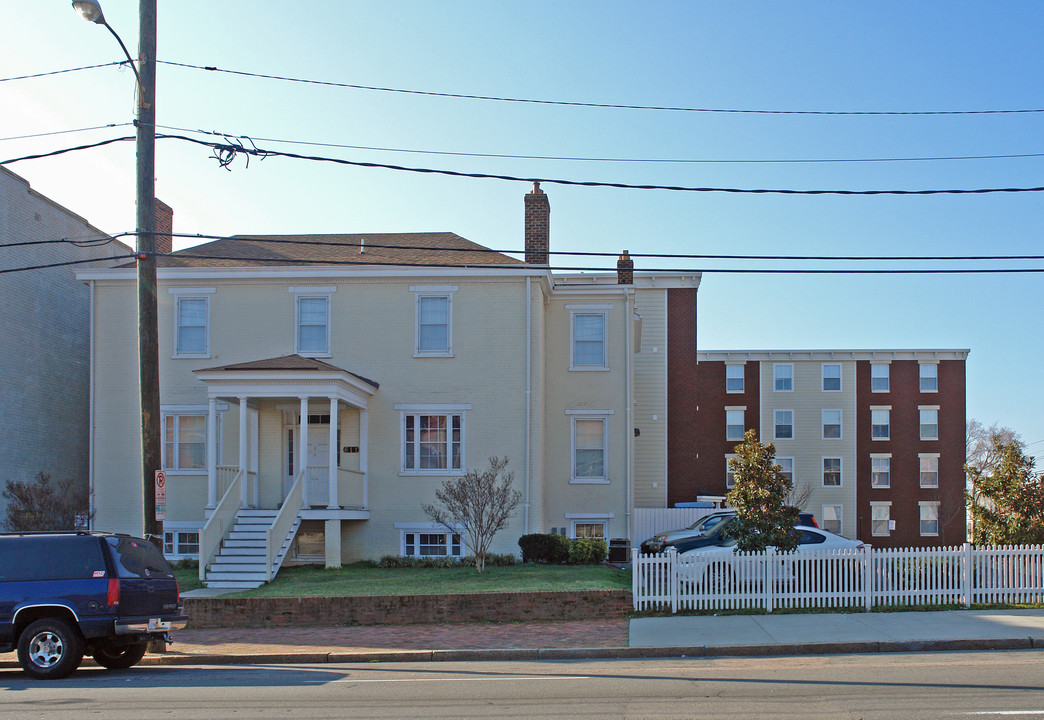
x=568, y=158
x=91, y=241
x=59, y=72
x=70, y=262
x=225, y=153
x=613, y=106
x=65, y=132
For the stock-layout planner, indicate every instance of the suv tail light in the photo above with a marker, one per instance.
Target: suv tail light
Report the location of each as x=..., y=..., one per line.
x=112, y=597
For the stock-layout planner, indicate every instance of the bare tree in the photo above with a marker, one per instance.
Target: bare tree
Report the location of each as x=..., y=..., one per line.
x=44, y=505
x=799, y=495
x=479, y=504
x=982, y=458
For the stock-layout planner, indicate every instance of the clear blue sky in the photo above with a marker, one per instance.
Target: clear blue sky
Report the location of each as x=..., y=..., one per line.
x=884, y=56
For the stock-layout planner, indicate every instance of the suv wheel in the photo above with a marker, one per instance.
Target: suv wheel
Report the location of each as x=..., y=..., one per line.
x=119, y=658
x=49, y=649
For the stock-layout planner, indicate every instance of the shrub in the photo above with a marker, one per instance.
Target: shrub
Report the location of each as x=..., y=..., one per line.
x=559, y=551
x=587, y=551
x=544, y=547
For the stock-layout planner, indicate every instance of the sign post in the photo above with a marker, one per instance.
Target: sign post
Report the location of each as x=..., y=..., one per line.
x=161, y=495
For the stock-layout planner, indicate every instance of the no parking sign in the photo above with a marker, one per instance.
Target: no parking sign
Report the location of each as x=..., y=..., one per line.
x=161, y=495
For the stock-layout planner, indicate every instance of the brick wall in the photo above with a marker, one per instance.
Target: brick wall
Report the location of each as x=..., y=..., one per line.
x=407, y=609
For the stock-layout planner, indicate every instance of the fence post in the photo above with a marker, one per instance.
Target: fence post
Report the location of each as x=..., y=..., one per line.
x=966, y=575
x=635, y=570
x=767, y=572
x=868, y=577
x=672, y=557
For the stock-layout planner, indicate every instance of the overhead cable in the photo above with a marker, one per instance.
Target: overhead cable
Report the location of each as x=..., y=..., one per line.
x=67, y=70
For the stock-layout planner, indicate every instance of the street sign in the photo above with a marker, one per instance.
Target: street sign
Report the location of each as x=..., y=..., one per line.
x=161, y=495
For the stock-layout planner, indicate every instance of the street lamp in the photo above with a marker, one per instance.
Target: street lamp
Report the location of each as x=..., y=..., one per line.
x=145, y=221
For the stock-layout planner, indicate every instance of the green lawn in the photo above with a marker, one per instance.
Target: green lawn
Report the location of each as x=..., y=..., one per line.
x=362, y=579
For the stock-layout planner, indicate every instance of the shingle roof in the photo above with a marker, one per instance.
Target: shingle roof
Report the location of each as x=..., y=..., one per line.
x=345, y=250
x=287, y=362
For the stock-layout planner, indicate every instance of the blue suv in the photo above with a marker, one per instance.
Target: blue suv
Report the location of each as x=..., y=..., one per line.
x=66, y=594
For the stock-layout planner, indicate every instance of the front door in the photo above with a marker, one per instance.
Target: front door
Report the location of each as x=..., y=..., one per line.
x=318, y=476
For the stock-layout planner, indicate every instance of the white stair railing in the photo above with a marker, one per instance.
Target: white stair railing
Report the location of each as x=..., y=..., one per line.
x=280, y=529
x=218, y=525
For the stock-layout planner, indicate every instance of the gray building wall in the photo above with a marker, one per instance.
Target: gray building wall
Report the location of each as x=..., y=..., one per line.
x=44, y=337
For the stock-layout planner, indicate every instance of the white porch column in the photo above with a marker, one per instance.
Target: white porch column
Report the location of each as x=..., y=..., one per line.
x=333, y=457
x=364, y=454
x=304, y=449
x=212, y=455
x=244, y=443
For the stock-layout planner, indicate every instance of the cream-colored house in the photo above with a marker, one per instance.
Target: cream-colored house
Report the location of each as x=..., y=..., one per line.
x=317, y=390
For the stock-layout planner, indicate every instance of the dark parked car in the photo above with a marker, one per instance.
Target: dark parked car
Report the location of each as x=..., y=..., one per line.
x=64, y=594
x=705, y=531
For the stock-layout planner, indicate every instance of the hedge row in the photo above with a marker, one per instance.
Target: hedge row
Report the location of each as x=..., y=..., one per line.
x=555, y=548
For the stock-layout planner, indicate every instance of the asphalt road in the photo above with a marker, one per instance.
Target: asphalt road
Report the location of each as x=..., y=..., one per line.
x=924, y=686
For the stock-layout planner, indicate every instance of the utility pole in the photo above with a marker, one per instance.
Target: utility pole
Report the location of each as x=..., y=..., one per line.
x=148, y=332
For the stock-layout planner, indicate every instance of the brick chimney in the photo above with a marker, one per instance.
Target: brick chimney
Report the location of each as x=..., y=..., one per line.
x=164, y=228
x=538, y=226
x=625, y=270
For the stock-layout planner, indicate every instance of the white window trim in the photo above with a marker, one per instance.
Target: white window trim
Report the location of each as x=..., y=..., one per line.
x=927, y=363
x=928, y=455
x=880, y=456
x=888, y=376
x=885, y=504
x=184, y=411
x=879, y=408
x=728, y=457
x=823, y=424
x=793, y=467
x=448, y=411
x=840, y=376
x=774, y=377
x=429, y=529
x=742, y=378
x=919, y=423
x=793, y=429
x=433, y=291
x=840, y=515
x=573, y=479
x=735, y=408
x=602, y=310
x=326, y=292
x=180, y=526
x=938, y=521
x=589, y=518
x=840, y=472
x=192, y=293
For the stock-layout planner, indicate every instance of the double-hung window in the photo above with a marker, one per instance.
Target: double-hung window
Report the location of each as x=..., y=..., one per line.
x=588, y=341
x=831, y=424
x=929, y=423
x=832, y=377
x=880, y=423
x=433, y=442
x=929, y=512
x=734, y=423
x=730, y=472
x=783, y=424
x=929, y=475
x=879, y=377
x=783, y=377
x=929, y=377
x=832, y=518
x=880, y=471
x=880, y=518
x=434, y=324
x=312, y=320
x=185, y=442
x=192, y=321
x=831, y=472
x=590, y=441
x=786, y=467
x=734, y=378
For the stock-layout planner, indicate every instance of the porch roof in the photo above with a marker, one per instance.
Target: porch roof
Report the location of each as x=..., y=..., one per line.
x=288, y=376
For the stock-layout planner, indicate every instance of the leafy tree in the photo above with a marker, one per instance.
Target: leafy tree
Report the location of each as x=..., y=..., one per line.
x=1009, y=506
x=764, y=517
x=982, y=456
x=480, y=504
x=41, y=504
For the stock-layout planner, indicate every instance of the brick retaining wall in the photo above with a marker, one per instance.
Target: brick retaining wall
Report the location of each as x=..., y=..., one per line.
x=407, y=609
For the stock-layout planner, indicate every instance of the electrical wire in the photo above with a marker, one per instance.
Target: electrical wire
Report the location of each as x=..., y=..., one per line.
x=568, y=158
x=59, y=72
x=70, y=262
x=86, y=242
x=65, y=132
x=613, y=106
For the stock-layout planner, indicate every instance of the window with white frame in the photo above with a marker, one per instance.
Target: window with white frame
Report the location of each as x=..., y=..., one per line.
x=880, y=471
x=783, y=377
x=831, y=377
x=880, y=423
x=831, y=424
x=734, y=423
x=929, y=512
x=929, y=377
x=192, y=320
x=730, y=474
x=434, y=315
x=185, y=442
x=831, y=472
x=734, y=378
x=880, y=519
x=831, y=518
x=312, y=320
x=588, y=340
x=590, y=439
x=783, y=424
x=929, y=474
x=786, y=467
x=588, y=529
x=929, y=423
x=433, y=442
x=879, y=377
x=180, y=544
x=435, y=543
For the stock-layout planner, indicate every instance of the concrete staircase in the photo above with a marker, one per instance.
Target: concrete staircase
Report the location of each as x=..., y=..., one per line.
x=240, y=563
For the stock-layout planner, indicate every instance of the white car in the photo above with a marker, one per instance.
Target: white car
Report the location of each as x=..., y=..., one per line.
x=718, y=567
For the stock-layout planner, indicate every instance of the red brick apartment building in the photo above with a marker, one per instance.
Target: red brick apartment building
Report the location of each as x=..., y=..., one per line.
x=876, y=437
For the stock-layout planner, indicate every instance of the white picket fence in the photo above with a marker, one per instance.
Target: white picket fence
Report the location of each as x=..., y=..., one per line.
x=864, y=578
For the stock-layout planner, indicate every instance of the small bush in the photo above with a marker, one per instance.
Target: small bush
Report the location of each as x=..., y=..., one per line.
x=559, y=551
x=544, y=547
x=587, y=551
x=399, y=561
